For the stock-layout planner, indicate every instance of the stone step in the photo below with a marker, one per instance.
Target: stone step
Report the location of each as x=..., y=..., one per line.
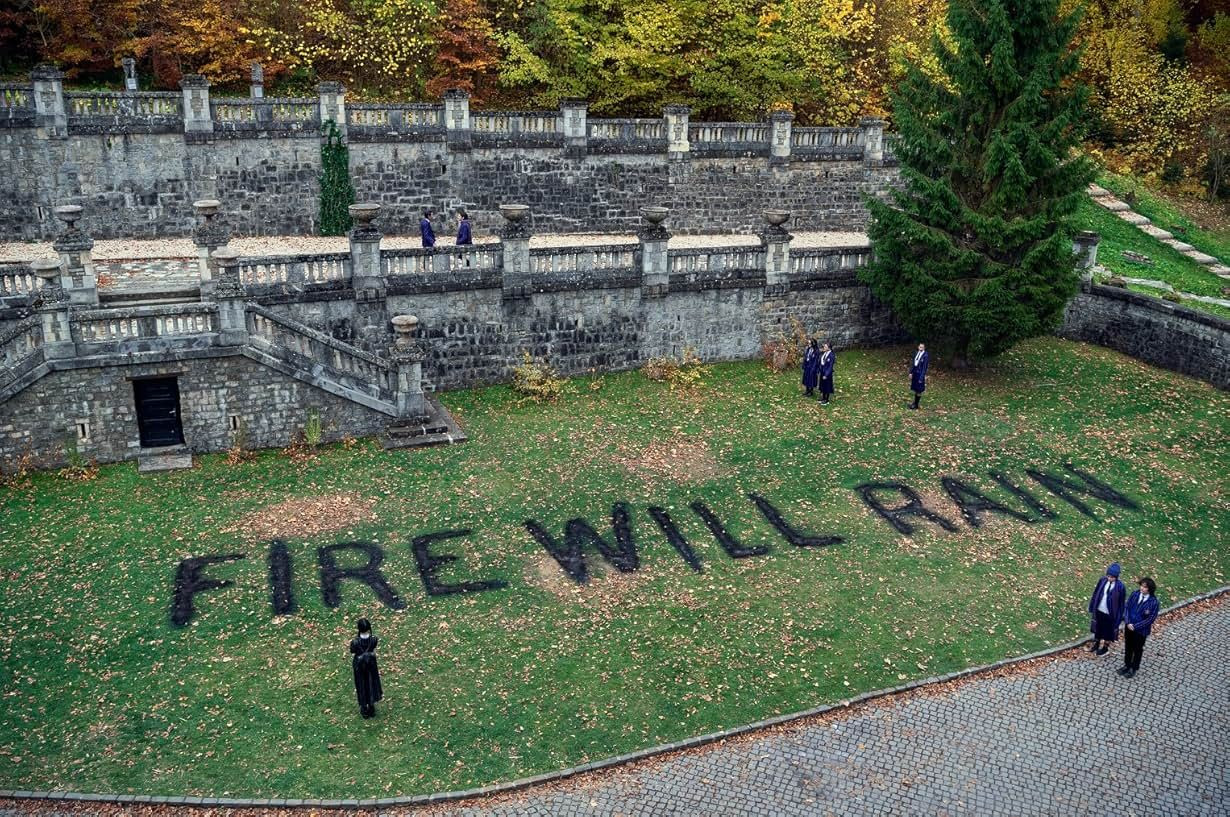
x=165, y=458
x=1220, y=269
x=1200, y=257
x=1155, y=231
x=1133, y=218
x=1098, y=192
x=1177, y=244
x=1115, y=206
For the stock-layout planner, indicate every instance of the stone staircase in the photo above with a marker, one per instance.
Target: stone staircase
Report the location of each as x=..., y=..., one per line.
x=1124, y=211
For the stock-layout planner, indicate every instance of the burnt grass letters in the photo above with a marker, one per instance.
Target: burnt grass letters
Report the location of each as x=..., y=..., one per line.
x=900, y=506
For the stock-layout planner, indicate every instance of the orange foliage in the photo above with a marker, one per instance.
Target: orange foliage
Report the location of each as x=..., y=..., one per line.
x=466, y=55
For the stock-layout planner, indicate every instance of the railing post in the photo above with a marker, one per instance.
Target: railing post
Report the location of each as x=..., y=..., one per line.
x=210, y=235
x=198, y=119
x=53, y=311
x=333, y=105
x=408, y=355
x=257, y=85
x=77, y=265
x=655, y=262
x=776, y=243
x=676, y=116
x=457, y=118
x=515, y=236
x=130, y=74
x=1085, y=247
x=366, y=271
x=230, y=297
x=50, y=116
x=573, y=113
x=873, y=140
x=780, y=123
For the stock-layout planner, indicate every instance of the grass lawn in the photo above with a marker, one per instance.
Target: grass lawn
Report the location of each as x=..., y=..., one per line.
x=1169, y=265
x=101, y=693
x=1169, y=215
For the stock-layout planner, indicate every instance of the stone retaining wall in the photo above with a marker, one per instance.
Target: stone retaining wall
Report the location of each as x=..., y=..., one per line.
x=1159, y=332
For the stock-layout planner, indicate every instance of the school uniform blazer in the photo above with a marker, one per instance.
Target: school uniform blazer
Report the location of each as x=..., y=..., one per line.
x=1114, y=602
x=429, y=235
x=463, y=232
x=1141, y=615
x=918, y=373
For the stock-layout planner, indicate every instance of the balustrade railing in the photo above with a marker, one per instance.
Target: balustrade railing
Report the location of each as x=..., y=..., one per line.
x=16, y=103
x=442, y=259
x=728, y=133
x=585, y=258
x=265, y=113
x=511, y=124
x=21, y=349
x=99, y=326
x=395, y=118
x=626, y=130
x=814, y=260
x=845, y=141
x=294, y=270
x=18, y=279
x=718, y=261
x=124, y=108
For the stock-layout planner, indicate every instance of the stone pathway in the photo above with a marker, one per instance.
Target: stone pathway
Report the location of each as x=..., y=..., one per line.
x=1124, y=211
x=1187, y=296
x=1058, y=736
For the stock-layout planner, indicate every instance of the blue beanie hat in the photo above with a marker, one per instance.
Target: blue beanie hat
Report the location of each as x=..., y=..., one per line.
x=1113, y=570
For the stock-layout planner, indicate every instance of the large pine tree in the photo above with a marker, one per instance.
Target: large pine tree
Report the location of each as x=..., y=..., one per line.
x=974, y=253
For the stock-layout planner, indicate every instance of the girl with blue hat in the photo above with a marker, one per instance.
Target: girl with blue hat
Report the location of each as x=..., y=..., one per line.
x=1106, y=610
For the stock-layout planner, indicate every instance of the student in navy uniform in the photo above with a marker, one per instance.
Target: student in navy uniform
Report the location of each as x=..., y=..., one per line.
x=811, y=367
x=367, y=686
x=1106, y=610
x=918, y=373
x=1138, y=615
x=463, y=228
x=429, y=235
x=827, y=361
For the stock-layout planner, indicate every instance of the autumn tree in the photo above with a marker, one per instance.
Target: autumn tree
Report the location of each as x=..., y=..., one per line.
x=466, y=53
x=177, y=37
x=974, y=254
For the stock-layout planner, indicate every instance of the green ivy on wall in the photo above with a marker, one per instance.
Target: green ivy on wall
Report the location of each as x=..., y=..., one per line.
x=336, y=191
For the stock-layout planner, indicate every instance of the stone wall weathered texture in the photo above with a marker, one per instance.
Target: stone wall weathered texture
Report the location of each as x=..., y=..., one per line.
x=1167, y=335
x=272, y=407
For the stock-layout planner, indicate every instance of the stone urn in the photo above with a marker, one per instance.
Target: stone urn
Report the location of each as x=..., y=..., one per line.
x=404, y=329
x=514, y=212
x=776, y=218
x=363, y=215
x=207, y=208
x=69, y=214
x=655, y=215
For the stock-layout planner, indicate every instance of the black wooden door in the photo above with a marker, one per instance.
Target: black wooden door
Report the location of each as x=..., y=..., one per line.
x=158, y=411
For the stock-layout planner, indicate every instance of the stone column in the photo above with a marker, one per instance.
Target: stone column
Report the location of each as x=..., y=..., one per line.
x=873, y=140
x=573, y=113
x=367, y=274
x=779, y=137
x=677, y=146
x=210, y=235
x=50, y=115
x=130, y=74
x=457, y=118
x=52, y=309
x=198, y=119
x=257, y=85
x=655, y=263
x=1085, y=247
x=515, y=236
x=231, y=298
x=77, y=265
x=408, y=355
x=333, y=105
x=776, y=243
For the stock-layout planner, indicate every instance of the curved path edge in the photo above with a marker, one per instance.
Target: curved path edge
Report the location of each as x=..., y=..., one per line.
x=572, y=771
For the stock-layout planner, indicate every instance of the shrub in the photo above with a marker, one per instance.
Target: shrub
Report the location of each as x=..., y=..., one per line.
x=312, y=430
x=1173, y=172
x=685, y=373
x=78, y=469
x=16, y=473
x=537, y=381
x=239, y=451
x=1172, y=296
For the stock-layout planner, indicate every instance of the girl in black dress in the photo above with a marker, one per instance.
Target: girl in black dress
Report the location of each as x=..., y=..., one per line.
x=366, y=674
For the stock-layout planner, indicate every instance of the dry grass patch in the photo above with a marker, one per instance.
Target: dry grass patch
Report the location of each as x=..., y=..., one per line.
x=679, y=459
x=305, y=518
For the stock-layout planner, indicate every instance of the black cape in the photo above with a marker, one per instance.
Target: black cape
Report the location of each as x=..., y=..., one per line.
x=366, y=674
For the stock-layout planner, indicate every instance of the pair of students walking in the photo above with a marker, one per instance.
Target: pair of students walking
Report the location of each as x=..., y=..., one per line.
x=1110, y=607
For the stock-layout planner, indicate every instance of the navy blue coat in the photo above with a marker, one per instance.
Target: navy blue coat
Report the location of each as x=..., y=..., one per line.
x=918, y=374
x=828, y=360
x=463, y=232
x=811, y=367
x=1141, y=616
x=429, y=235
x=1114, y=602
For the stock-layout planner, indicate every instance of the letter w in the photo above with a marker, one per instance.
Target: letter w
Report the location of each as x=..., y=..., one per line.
x=578, y=533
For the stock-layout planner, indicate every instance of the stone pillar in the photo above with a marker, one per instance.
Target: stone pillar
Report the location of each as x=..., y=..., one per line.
x=231, y=298
x=210, y=235
x=408, y=355
x=52, y=309
x=77, y=265
x=573, y=113
x=457, y=118
x=779, y=137
x=367, y=274
x=257, y=85
x=1085, y=247
x=50, y=115
x=677, y=146
x=873, y=140
x=130, y=74
x=776, y=243
x=333, y=105
x=515, y=236
x=198, y=119
x=655, y=263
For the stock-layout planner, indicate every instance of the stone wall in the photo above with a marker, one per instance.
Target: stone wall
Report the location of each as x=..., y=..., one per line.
x=272, y=407
x=1159, y=332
